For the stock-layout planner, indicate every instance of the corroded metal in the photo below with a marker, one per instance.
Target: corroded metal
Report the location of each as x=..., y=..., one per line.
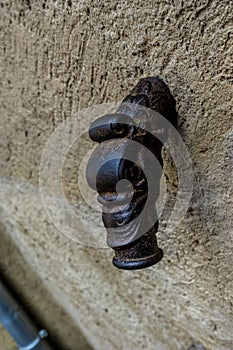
x=128, y=211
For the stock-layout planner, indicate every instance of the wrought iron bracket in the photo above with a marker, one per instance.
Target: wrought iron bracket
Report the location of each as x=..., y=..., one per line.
x=129, y=213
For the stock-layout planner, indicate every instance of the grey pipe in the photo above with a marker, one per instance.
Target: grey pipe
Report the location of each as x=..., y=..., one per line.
x=18, y=325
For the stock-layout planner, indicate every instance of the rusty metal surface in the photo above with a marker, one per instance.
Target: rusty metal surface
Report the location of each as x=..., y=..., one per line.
x=127, y=144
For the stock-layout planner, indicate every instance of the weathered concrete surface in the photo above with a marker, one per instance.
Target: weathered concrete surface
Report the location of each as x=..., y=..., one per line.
x=29, y=290
x=6, y=341
x=60, y=57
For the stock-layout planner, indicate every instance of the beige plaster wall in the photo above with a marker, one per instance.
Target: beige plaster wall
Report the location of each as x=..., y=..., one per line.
x=59, y=57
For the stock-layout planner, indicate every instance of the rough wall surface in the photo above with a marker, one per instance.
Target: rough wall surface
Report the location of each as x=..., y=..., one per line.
x=58, y=57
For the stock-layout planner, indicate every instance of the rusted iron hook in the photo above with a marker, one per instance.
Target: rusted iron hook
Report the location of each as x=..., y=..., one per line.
x=129, y=213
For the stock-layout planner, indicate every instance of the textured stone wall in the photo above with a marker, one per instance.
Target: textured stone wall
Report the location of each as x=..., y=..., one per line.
x=60, y=57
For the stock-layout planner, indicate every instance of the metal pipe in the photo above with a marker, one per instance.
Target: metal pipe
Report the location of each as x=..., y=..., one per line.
x=18, y=325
